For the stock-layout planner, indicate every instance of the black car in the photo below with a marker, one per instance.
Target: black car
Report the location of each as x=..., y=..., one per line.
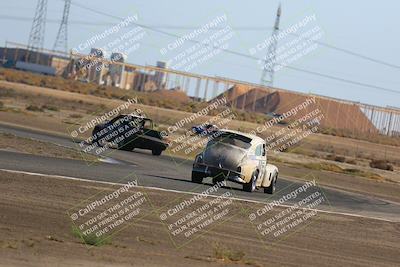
x=128, y=132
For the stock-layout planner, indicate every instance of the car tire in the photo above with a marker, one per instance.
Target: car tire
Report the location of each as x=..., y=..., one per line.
x=197, y=177
x=95, y=137
x=100, y=143
x=126, y=147
x=251, y=186
x=271, y=188
x=156, y=152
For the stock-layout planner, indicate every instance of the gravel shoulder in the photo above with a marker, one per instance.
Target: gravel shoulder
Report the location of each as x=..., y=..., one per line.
x=10, y=142
x=36, y=231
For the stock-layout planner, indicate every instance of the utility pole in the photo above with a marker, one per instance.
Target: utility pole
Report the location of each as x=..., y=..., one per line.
x=267, y=77
x=36, y=36
x=61, y=43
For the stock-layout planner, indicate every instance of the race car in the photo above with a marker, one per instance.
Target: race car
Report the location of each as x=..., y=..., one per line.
x=129, y=131
x=206, y=129
x=237, y=157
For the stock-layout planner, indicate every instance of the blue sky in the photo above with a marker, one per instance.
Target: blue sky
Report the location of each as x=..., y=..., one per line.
x=366, y=27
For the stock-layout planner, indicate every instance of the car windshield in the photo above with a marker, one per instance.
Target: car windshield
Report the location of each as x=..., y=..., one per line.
x=139, y=121
x=231, y=139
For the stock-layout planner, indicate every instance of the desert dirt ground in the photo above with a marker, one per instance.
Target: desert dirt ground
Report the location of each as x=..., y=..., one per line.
x=35, y=230
x=10, y=142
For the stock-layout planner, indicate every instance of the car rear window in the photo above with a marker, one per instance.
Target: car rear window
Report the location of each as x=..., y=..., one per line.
x=231, y=139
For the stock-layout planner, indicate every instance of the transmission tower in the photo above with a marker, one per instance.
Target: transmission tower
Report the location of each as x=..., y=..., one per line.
x=36, y=36
x=61, y=43
x=267, y=77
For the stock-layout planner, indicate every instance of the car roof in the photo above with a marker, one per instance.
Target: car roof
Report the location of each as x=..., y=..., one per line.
x=254, y=138
x=135, y=116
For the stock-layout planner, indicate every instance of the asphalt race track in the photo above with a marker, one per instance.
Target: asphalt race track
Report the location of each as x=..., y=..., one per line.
x=171, y=173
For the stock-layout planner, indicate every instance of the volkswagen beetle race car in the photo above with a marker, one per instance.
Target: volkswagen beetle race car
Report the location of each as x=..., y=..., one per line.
x=128, y=131
x=237, y=157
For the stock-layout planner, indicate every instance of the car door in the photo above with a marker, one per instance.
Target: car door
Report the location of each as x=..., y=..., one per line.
x=261, y=158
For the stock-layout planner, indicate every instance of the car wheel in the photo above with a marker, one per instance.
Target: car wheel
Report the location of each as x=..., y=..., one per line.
x=251, y=186
x=125, y=146
x=156, y=152
x=100, y=143
x=271, y=188
x=197, y=177
x=95, y=137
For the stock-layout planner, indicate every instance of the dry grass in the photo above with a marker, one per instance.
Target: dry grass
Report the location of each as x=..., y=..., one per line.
x=334, y=168
x=221, y=252
x=164, y=99
x=375, y=138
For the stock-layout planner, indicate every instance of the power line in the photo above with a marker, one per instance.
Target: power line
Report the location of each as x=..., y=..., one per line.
x=255, y=58
x=173, y=35
x=236, y=28
x=327, y=76
x=347, y=51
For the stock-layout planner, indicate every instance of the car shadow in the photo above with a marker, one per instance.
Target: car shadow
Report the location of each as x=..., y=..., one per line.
x=227, y=187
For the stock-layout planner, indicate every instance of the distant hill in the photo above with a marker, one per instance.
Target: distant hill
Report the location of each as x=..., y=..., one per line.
x=338, y=115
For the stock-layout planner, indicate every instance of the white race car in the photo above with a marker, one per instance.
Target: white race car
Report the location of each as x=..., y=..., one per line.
x=238, y=157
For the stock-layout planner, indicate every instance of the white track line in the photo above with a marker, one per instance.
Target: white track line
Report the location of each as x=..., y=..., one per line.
x=185, y=192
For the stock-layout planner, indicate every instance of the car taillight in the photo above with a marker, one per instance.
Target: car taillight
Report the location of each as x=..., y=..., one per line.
x=199, y=158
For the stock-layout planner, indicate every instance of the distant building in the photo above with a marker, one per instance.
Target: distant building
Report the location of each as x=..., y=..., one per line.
x=159, y=76
x=38, y=62
x=95, y=66
x=117, y=70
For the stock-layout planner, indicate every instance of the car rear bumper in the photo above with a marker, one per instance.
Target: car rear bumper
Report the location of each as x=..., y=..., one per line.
x=212, y=171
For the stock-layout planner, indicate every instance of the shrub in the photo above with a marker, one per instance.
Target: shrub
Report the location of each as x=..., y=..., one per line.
x=223, y=253
x=340, y=159
x=381, y=164
x=90, y=239
x=330, y=157
x=334, y=157
x=75, y=116
x=351, y=161
x=49, y=107
x=34, y=108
